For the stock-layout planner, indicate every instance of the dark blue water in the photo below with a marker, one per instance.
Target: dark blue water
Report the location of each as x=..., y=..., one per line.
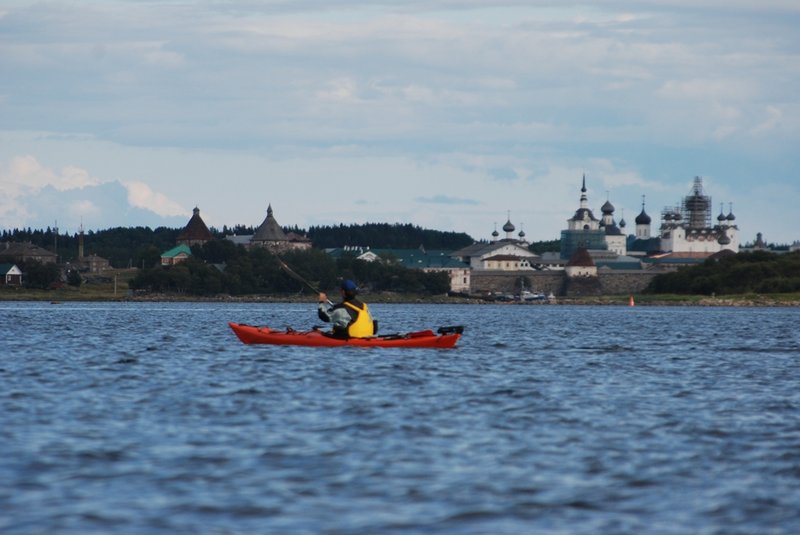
x=153, y=418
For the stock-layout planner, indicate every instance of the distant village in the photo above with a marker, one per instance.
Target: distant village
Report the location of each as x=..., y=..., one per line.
x=597, y=256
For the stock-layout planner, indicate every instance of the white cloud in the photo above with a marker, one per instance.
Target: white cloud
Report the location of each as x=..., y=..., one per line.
x=140, y=195
x=25, y=180
x=26, y=174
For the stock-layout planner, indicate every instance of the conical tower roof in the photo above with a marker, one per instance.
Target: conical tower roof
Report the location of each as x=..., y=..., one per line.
x=270, y=230
x=581, y=258
x=195, y=230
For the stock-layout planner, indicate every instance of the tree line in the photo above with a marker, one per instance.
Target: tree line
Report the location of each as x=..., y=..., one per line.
x=220, y=266
x=751, y=272
x=259, y=271
x=387, y=236
x=142, y=246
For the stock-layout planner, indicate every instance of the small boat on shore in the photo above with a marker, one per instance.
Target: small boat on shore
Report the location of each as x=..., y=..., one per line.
x=445, y=337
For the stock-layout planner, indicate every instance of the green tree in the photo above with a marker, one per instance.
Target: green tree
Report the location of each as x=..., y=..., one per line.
x=74, y=278
x=40, y=275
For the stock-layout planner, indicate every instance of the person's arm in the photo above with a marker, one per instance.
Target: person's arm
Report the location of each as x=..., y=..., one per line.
x=324, y=309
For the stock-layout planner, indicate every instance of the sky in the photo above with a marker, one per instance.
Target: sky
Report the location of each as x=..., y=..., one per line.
x=450, y=115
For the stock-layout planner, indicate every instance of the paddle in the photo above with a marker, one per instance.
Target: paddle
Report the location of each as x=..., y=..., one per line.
x=289, y=271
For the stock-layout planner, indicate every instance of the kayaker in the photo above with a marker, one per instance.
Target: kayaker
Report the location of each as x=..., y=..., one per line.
x=351, y=317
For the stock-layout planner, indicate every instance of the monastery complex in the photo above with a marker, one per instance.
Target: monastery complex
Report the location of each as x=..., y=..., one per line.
x=597, y=255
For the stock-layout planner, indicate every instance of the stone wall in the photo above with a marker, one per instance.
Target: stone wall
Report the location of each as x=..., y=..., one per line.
x=556, y=282
x=624, y=282
x=486, y=281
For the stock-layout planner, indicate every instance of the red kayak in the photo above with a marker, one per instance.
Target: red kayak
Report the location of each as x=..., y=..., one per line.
x=249, y=334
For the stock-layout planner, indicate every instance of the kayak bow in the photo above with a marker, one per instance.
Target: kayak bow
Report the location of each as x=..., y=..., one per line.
x=250, y=334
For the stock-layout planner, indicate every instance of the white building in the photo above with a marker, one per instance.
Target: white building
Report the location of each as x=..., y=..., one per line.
x=688, y=228
x=508, y=254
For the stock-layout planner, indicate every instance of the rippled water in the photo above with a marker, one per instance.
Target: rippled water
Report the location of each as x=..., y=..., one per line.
x=153, y=418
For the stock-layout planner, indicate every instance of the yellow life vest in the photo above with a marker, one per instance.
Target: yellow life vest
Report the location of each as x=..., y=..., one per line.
x=362, y=326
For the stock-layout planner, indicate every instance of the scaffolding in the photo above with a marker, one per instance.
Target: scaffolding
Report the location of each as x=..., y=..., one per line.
x=697, y=207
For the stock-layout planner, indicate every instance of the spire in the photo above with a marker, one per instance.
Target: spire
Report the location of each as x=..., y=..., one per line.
x=80, y=241
x=584, y=198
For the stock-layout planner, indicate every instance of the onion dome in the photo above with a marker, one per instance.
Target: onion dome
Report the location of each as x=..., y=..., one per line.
x=508, y=227
x=730, y=216
x=495, y=233
x=622, y=223
x=607, y=208
x=643, y=218
x=521, y=234
x=724, y=239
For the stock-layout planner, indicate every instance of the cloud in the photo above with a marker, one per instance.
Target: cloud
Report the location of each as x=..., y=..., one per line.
x=504, y=102
x=26, y=174
x=34, y=194
x=140, y=195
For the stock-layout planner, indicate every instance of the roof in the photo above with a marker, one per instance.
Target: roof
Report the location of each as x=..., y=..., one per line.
x=677, y=258
x=481, y=249
x=270, y=230
x=19, y=249
x=240, y=240
x=470, y=250
x=196, y=229
x=293, y=236
x=581, y=258
x=584, y=214
x=5, y=268
x=175, y=251
x=618, y=262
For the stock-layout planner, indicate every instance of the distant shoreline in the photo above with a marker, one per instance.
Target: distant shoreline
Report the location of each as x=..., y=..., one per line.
x=750, y=300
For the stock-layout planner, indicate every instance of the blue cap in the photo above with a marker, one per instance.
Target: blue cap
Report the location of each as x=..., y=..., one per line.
x=349, y=286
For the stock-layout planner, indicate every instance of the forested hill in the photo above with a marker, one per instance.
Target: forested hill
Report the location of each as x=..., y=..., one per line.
x=141, y=246
x=387, y=236
x=758, y=271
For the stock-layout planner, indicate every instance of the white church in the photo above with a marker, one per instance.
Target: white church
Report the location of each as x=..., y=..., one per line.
x=686, y=230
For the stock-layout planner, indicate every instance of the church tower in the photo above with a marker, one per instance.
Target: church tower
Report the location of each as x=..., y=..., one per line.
x=583, y=229
x=643, y=224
